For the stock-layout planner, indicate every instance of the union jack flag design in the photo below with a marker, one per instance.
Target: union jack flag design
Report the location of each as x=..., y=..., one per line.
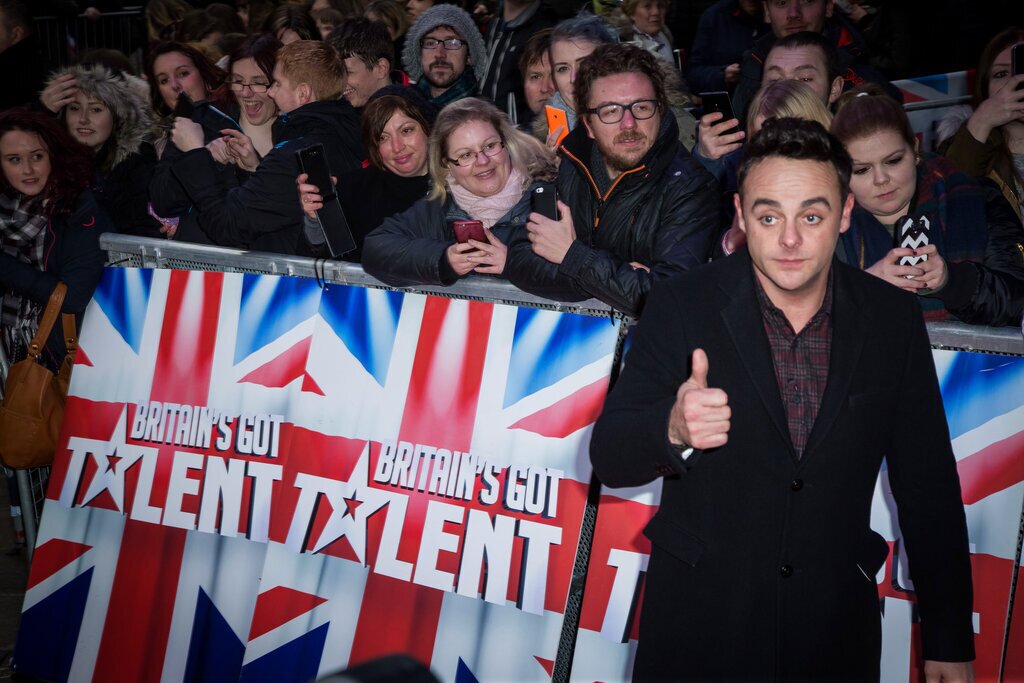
x=983, y=396
x=264, y=480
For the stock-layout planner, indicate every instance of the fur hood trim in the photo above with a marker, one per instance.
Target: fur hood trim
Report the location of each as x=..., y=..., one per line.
x=951, y=123
x=444, y=15
x=127, y=98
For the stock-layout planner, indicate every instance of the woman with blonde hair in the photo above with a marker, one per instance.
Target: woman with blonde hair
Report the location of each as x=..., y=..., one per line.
x=481, y=169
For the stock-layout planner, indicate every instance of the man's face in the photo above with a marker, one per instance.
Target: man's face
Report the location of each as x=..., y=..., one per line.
x=793, y=16
x=362, y=80
x=805, y=64
x=8, y=36
x=624, y=143
x=538, y=84
x=792, y=214
x=285, y=94
x=441, y=66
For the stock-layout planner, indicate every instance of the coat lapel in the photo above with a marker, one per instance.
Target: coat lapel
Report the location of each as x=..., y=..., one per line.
x=848, y=335
x=742, y=318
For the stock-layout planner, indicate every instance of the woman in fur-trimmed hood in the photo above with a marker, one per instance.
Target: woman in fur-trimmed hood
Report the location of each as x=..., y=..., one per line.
x=109, y=112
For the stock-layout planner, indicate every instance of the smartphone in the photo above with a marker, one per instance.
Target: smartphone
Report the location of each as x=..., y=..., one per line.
x=544, y=200
x=1017, y=62
x=718, y=101
x=557, y=119
x=677, y=55
x=469, y=230
x=337, y=233
x=184, y=107
x=913, y=233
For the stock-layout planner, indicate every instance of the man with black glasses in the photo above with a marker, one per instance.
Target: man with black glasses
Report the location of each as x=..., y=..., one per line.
x=439, y=47
x=635, y=206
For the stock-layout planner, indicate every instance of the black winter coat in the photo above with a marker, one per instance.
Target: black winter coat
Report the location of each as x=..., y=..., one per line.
x=123, y=191
x=167, y=195
x=264, y=213
x=724, y=33
x=72, y=256
x=409, y=248
x=664, y=214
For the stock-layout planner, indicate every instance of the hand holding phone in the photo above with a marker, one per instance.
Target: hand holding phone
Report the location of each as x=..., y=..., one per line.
x=557, y=119
x=718, y=102
x=1017, y=62
x=313, y=161
x=544, y=200
x=469, y=230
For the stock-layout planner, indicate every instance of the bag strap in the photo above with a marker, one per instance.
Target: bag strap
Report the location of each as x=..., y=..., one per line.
x=70, y=333
x=47, y=321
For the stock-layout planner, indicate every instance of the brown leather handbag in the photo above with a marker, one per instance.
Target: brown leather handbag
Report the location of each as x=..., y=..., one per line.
x=33, y=404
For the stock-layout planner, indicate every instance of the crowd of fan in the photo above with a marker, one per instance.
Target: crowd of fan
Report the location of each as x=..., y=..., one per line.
x=435, y=113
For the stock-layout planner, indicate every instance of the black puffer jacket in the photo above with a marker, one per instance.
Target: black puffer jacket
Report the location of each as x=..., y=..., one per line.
x=409, y=248
x=264, y=213
x=663, y=214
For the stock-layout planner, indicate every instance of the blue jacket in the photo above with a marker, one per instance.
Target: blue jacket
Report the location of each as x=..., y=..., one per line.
x=724, y=33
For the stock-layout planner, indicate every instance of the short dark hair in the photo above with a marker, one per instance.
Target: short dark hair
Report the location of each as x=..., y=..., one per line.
x=608, y=60
x=363, y=38
x=294, y=17
x=534, y=50
x=797, y=139
x=16, y=13
x=813, y=39
x=868, y=110
x=587, y=27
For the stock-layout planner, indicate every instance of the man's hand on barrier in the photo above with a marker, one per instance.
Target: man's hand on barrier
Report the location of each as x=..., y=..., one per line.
x=948, y=672
x=551, y=239
x=700, y=416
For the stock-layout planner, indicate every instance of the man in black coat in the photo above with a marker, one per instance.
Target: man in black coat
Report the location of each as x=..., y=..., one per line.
x=726, y=30
x=766, y=388
x=21, y=61
x=635, y=206
x=264, y=212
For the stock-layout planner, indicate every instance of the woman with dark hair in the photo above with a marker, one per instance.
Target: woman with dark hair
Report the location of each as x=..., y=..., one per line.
x=974, y=265
x=175, y=70
x=991, y=141
x=50, y=225
x=482, y=168
x=396, y=126
x=289, y=23
x=109, y=112
x=250, y=73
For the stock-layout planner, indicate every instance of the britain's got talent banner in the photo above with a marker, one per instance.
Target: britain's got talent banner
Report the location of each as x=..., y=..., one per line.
x=983, y=396
x=263, y=480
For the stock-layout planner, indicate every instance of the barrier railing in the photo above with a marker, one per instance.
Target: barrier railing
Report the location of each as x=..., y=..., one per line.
x=63, y=40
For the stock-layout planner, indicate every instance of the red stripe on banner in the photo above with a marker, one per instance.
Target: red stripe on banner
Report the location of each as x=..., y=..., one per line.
x=572, y=413
x=1014, y=667
x=285, y=369
x=994, y=468
x=141, y=604
x=278, y=606
x=440, y=410
x=81, y=358
x=51, y=557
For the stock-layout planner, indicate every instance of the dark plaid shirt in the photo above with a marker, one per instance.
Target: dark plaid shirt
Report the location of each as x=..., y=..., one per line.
x=801, y=362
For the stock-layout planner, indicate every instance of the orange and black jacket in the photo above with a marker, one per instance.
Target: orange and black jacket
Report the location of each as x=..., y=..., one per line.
x=662, y=214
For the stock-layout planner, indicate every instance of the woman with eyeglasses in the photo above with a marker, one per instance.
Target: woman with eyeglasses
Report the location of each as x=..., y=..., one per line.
x=250, y=73
x=481, y=169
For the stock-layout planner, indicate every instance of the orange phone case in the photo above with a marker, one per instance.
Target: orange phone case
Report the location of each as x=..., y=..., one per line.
x=557, y=118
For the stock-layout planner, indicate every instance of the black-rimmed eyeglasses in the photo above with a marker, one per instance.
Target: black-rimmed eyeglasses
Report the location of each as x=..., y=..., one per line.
x=490, y=149
x=450, y=44
x=613, y=112
x=239, y=86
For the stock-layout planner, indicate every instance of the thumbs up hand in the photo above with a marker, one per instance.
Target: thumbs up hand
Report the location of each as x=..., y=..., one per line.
x=700, y=416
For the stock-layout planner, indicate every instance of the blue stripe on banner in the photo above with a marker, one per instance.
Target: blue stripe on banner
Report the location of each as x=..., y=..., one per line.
x=980, y=387
x=123, y=294
x=366, y=321
x=215, y=653
x=298, y=660
x=48, y=633
x=270, y=307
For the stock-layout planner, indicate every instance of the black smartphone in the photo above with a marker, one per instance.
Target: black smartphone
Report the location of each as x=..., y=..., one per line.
x=1017, y=62
x=913, y=233
x=184, y=107
x=337, y=233
x=718, y=101
x=544, y=200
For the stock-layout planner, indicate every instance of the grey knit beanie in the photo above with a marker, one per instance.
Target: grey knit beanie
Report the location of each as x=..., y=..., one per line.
x=444, y=15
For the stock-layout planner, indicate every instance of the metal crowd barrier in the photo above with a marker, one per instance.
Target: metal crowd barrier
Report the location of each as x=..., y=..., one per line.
x=144, y=252
x=63, y=40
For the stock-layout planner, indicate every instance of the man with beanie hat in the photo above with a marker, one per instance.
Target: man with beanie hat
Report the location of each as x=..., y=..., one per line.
x=438, y=48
